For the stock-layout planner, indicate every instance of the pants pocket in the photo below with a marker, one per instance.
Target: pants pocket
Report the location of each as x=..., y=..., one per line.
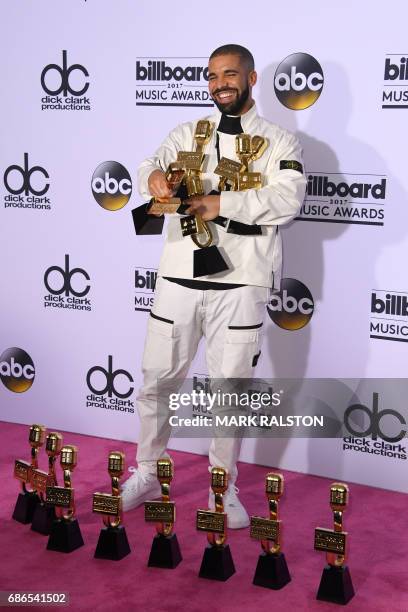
x=240, y=348
x=158, y=352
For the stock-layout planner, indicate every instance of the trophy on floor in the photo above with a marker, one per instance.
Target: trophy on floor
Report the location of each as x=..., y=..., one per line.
x=271, y=571
x=28, y=498
x=217, y=563
x=65, y=533
x=44, y=515
x=113, y=543
x=335, y=585
x=165, y=551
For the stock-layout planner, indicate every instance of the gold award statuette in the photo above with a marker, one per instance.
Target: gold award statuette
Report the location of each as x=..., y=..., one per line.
x=272, y=570
x=65, y=533
x=44, y=514
x=113, y=543
x=335, y=585
x=159, y=206
x=249, y=149
x=28, y=499
x=165, y=550
x=217, y=563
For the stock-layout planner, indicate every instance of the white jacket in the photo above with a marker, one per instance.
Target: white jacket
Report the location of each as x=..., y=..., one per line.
x=252, y=260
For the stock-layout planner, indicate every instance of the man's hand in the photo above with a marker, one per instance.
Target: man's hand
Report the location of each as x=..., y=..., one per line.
x=206, y=206
x=158, y=186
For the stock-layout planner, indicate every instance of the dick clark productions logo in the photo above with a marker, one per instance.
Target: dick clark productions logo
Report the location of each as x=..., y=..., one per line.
x=26, y=186
x=67, y=287
x=109, y=388
x=65, y=85
x=298, y=81
x=17, y=371
x=111, y=185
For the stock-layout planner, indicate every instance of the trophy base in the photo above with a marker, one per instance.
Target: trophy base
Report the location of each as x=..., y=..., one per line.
x=146, y=224
x=208, y=261
x=165, y=552
x=217, y=563
x=112, y=544
x=65, y=536
x=335, y=585
x=272, y=571
x=43, y=519
x=25, y=507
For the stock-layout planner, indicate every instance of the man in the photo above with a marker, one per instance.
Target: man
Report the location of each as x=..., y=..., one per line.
x=227, y=308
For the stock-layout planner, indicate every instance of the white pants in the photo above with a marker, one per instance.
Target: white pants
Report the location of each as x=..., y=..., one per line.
x=231, y=322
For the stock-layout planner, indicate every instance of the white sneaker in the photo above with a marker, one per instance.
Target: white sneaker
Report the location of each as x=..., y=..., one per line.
x=138, y=488
x=236, y=513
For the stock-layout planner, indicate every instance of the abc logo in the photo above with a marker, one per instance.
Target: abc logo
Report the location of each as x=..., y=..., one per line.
x=64, y=76
x=64, y=285
x=111, y=185
x=105, y=379
x=298, y=81
x=17, y=370
x=291, y=308
x=375, y=417
x=26, y=185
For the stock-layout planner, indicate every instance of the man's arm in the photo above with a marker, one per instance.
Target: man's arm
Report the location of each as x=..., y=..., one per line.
x=276, y=203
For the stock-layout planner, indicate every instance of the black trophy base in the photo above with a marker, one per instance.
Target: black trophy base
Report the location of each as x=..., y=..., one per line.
x=146, y=224
x=271, y=571
x=165, y=552
x=208, y=261
x=217, y=563
x=43, y=519
x=112, y=544
x=25, y=507
x=65, y=536
x=335, y=585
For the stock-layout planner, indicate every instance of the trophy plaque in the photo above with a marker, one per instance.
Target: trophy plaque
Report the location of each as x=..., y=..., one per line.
x=65, y=533
x=165, y=550
x=113, y=543
x=271, y=571
x=335, y=585
x=217, y=563
x=44, y=515
x=28, y=498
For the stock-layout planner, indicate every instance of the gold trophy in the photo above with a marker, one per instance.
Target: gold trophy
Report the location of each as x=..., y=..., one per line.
x=65, y=533
x=272, y=571
x=165, y=551
x=234, y=175
x=113, y=543
x=335, y=585
x=28, y=499
x=217, y=563
x=44, y=515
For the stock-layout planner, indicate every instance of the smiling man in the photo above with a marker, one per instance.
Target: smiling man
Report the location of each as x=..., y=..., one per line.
x=226, y=308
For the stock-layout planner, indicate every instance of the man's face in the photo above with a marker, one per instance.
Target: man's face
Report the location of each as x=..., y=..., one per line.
x=230, y=84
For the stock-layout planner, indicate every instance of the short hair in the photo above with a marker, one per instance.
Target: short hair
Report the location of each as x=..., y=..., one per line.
x=246, y=56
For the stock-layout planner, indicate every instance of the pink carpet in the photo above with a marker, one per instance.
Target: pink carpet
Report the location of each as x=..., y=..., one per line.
x=376, y=520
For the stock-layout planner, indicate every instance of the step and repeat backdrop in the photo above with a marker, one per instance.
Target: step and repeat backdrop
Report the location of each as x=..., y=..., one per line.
x=89, y=89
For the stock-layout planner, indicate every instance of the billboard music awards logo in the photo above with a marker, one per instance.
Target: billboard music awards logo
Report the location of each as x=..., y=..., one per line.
x=109, y=389
x=335, y=197
x=395, y=83
x=292, y=307
x=17, y=371
x=111, y=185
x=65, y=85
x=298, y=81
x=145, y=284
x=375, y=431
x=67, y=287
x=26, y=186
x=389, y=315
x=172, y=81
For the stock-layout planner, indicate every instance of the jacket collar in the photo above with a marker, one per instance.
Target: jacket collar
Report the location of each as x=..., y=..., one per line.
x=248, y=119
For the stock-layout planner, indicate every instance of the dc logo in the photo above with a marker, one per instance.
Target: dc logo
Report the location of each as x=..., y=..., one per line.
x=26, y=174
x=375, y=417
x=66, y=277
x=65, y=72
x=109, y=376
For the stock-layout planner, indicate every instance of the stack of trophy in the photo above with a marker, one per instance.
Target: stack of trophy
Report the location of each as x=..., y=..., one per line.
x=51, y=511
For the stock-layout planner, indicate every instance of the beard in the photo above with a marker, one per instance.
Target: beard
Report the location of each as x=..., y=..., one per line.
x=235, y=107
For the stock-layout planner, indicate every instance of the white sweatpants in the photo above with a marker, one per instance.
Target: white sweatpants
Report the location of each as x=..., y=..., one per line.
x=230, y=321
